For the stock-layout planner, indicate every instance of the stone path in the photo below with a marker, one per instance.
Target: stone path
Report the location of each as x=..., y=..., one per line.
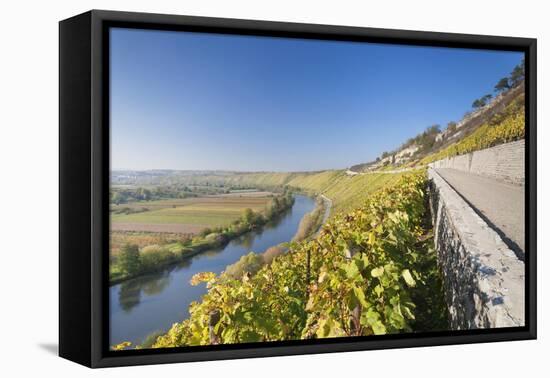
x=502, y=205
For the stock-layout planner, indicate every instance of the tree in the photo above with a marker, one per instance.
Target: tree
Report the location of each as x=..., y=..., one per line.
x=426, y=139
x=487, y=97
x=118, y=198
x=143, y=194
x=479, y=103
x=451, y=127
x=518, y=74
x=502, y=85
x=434, y=129
x=129, y=260
x=248, y=216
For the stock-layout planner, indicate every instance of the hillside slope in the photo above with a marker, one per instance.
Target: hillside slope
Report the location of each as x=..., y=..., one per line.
x=499, y=121
x=346, y=192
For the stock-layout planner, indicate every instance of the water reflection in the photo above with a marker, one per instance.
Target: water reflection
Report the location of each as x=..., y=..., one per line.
x=247, y=240
x=131, y=291
x=129, y=295
x=153, y=287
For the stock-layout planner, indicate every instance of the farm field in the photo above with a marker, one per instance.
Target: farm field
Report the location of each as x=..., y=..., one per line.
x=187, y=216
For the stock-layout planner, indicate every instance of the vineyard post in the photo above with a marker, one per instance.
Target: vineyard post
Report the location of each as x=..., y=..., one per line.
x=356, y=312
x=214, y=318
x=308, y=263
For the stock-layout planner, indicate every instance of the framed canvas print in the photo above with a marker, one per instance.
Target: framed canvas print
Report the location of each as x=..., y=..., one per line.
x=234, y=188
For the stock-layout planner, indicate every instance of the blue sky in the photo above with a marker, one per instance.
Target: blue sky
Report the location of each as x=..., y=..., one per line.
x=184, y=100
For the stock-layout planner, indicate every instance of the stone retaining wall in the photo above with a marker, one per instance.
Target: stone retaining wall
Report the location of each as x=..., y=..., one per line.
x=505, y=162
x=484, y=280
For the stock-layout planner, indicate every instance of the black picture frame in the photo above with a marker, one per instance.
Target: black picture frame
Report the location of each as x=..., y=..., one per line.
x=84, y=186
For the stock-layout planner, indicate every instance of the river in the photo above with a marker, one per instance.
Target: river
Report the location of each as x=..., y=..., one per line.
x=152, y=303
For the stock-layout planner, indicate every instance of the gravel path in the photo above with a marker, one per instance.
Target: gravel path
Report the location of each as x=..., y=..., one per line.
x=328, y=206
x=501, y=204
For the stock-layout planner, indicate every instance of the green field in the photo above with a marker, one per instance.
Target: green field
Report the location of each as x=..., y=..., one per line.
x=175, y=215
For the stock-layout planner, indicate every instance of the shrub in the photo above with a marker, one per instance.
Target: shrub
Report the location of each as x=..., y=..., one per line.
x=310, y=222
x=250, y=263
x=205, y=232
x=154, y=257
x=273, y=252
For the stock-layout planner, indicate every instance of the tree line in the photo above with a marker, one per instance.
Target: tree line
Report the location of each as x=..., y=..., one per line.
x=504, y=84
x=122, y=196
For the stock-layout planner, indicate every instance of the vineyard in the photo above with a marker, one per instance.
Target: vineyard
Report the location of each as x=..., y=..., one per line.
x=370, y=271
